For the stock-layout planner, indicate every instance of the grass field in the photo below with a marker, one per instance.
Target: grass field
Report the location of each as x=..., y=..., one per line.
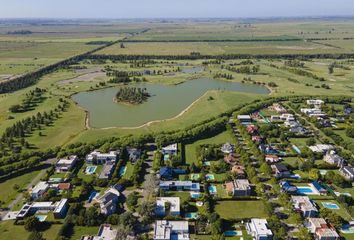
x=240, y=209
x=219, y=48
x=7, y=193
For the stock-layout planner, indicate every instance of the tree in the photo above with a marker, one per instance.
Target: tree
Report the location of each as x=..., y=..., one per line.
x=35, y=236
x=147, y=211
x=350, y=132
x=31, y=223
x=132, y=200
x=128, y=220
x=264, y=168
x=314, y=174
x=304, y=234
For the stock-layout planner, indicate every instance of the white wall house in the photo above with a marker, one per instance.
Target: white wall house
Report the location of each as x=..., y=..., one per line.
x=259, y=230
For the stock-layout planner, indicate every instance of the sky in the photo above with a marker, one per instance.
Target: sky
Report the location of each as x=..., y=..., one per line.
x=173, y=8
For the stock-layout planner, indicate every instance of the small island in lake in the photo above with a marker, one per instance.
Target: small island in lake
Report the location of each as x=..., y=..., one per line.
x=132, y=95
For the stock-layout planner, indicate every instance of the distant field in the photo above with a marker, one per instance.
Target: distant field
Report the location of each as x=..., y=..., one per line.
x=219, y=48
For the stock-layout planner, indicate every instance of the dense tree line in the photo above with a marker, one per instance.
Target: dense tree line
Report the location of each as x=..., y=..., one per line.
x=32, y=98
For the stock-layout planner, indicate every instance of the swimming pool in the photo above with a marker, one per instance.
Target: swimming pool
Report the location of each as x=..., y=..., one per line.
x=195, y=195
x=191, y=215
x=207, y=163
x=296, y=149
x=41, y=218
x=92, y=195
x=304, y=190
x=347, y=229
x=209, y=177
x=166, y=157
x=232, y=233
x=212, y=189
x=330, y=205
x=90, y=169
x=122, y=171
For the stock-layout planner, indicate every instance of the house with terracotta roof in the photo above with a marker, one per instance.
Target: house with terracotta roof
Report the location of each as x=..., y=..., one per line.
x=321, y=230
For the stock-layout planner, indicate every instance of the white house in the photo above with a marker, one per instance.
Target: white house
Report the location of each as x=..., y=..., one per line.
x=347, y=172
x=304, y=205
x=332, y=158
x=38, y=190
x=170, y=149
x=313, y=112
x=105, y=232
x=244, y=119
x=66, y=164
x=171, y=230
x=101, y=158
x=174, y=203
x=259, y=230
x=228, y=148
x=321, y=148
x=314, y=102
x=179, y=186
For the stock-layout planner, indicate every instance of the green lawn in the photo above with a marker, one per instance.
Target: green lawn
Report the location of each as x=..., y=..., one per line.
x=79, y=231
x=234, y=209
x=341, y=212
x=7, y=193
x=129, y=172
x=190, y=149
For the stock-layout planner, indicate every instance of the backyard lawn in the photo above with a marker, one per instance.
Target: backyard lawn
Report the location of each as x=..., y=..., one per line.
x=234, y=209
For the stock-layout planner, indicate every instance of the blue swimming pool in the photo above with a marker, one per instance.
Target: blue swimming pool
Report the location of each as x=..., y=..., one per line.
x=122, y=171
x=305, y=190
x=206, y=163
x=330, y=205
x=41, y=218
x=191, y=215
x=209, y=177
x=347, y=229
x=232, y=233
x=195, y=195
x=296, y=149
x=92, y=195
x=212, y=189
x=91, y=169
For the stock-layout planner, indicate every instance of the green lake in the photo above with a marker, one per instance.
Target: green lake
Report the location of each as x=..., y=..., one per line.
x=166, y=101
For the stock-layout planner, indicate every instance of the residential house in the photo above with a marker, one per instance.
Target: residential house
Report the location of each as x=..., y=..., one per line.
x=105, y=232
x=229, y=159
x=170, y=149
x=304, y=205
x=97, y=157
x=278, y=108
x=321, y=148
x=288, y=188
x=334, y=159
x=319, y=188
x=179, y=186
x=272, y=158
x=171, y=230
x=258, y=229
x=66, y=164
x=347, y=172
x=228, y=148
x=348, y=110
x=108, y=201
x=133, y=154
x=244, y=119
x=251, y=129
x=39, y=189
x=257, y=139
x=64, y=186
x=321, y=230
x=61, y=208
x=238, y=188
x=168, y=173
x=162, y=203
x=239, y=170
x=313, y=112
x=317, y=102
x=280, y=170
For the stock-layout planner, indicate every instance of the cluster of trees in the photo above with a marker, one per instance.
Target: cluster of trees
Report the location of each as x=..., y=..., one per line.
x=224, y=75
x=244, y=69
x=132, y=95
x=336, y=65
x=123, y=76
x=31, y=100
x=304, y=73
x=294, y=63
x=19, y=32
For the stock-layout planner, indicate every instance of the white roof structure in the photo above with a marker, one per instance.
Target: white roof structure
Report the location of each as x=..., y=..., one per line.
x=171, y=147
x=314, y=102
x=244, y=117
x=40, y=186
x=161, y=202
x=60, y=205
x=258, y=227
x=67, y=161
x=112, y=155
x=242, y=184
x=320, y=148
x=303, y=203
x=42, y=205
x=165, y=230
